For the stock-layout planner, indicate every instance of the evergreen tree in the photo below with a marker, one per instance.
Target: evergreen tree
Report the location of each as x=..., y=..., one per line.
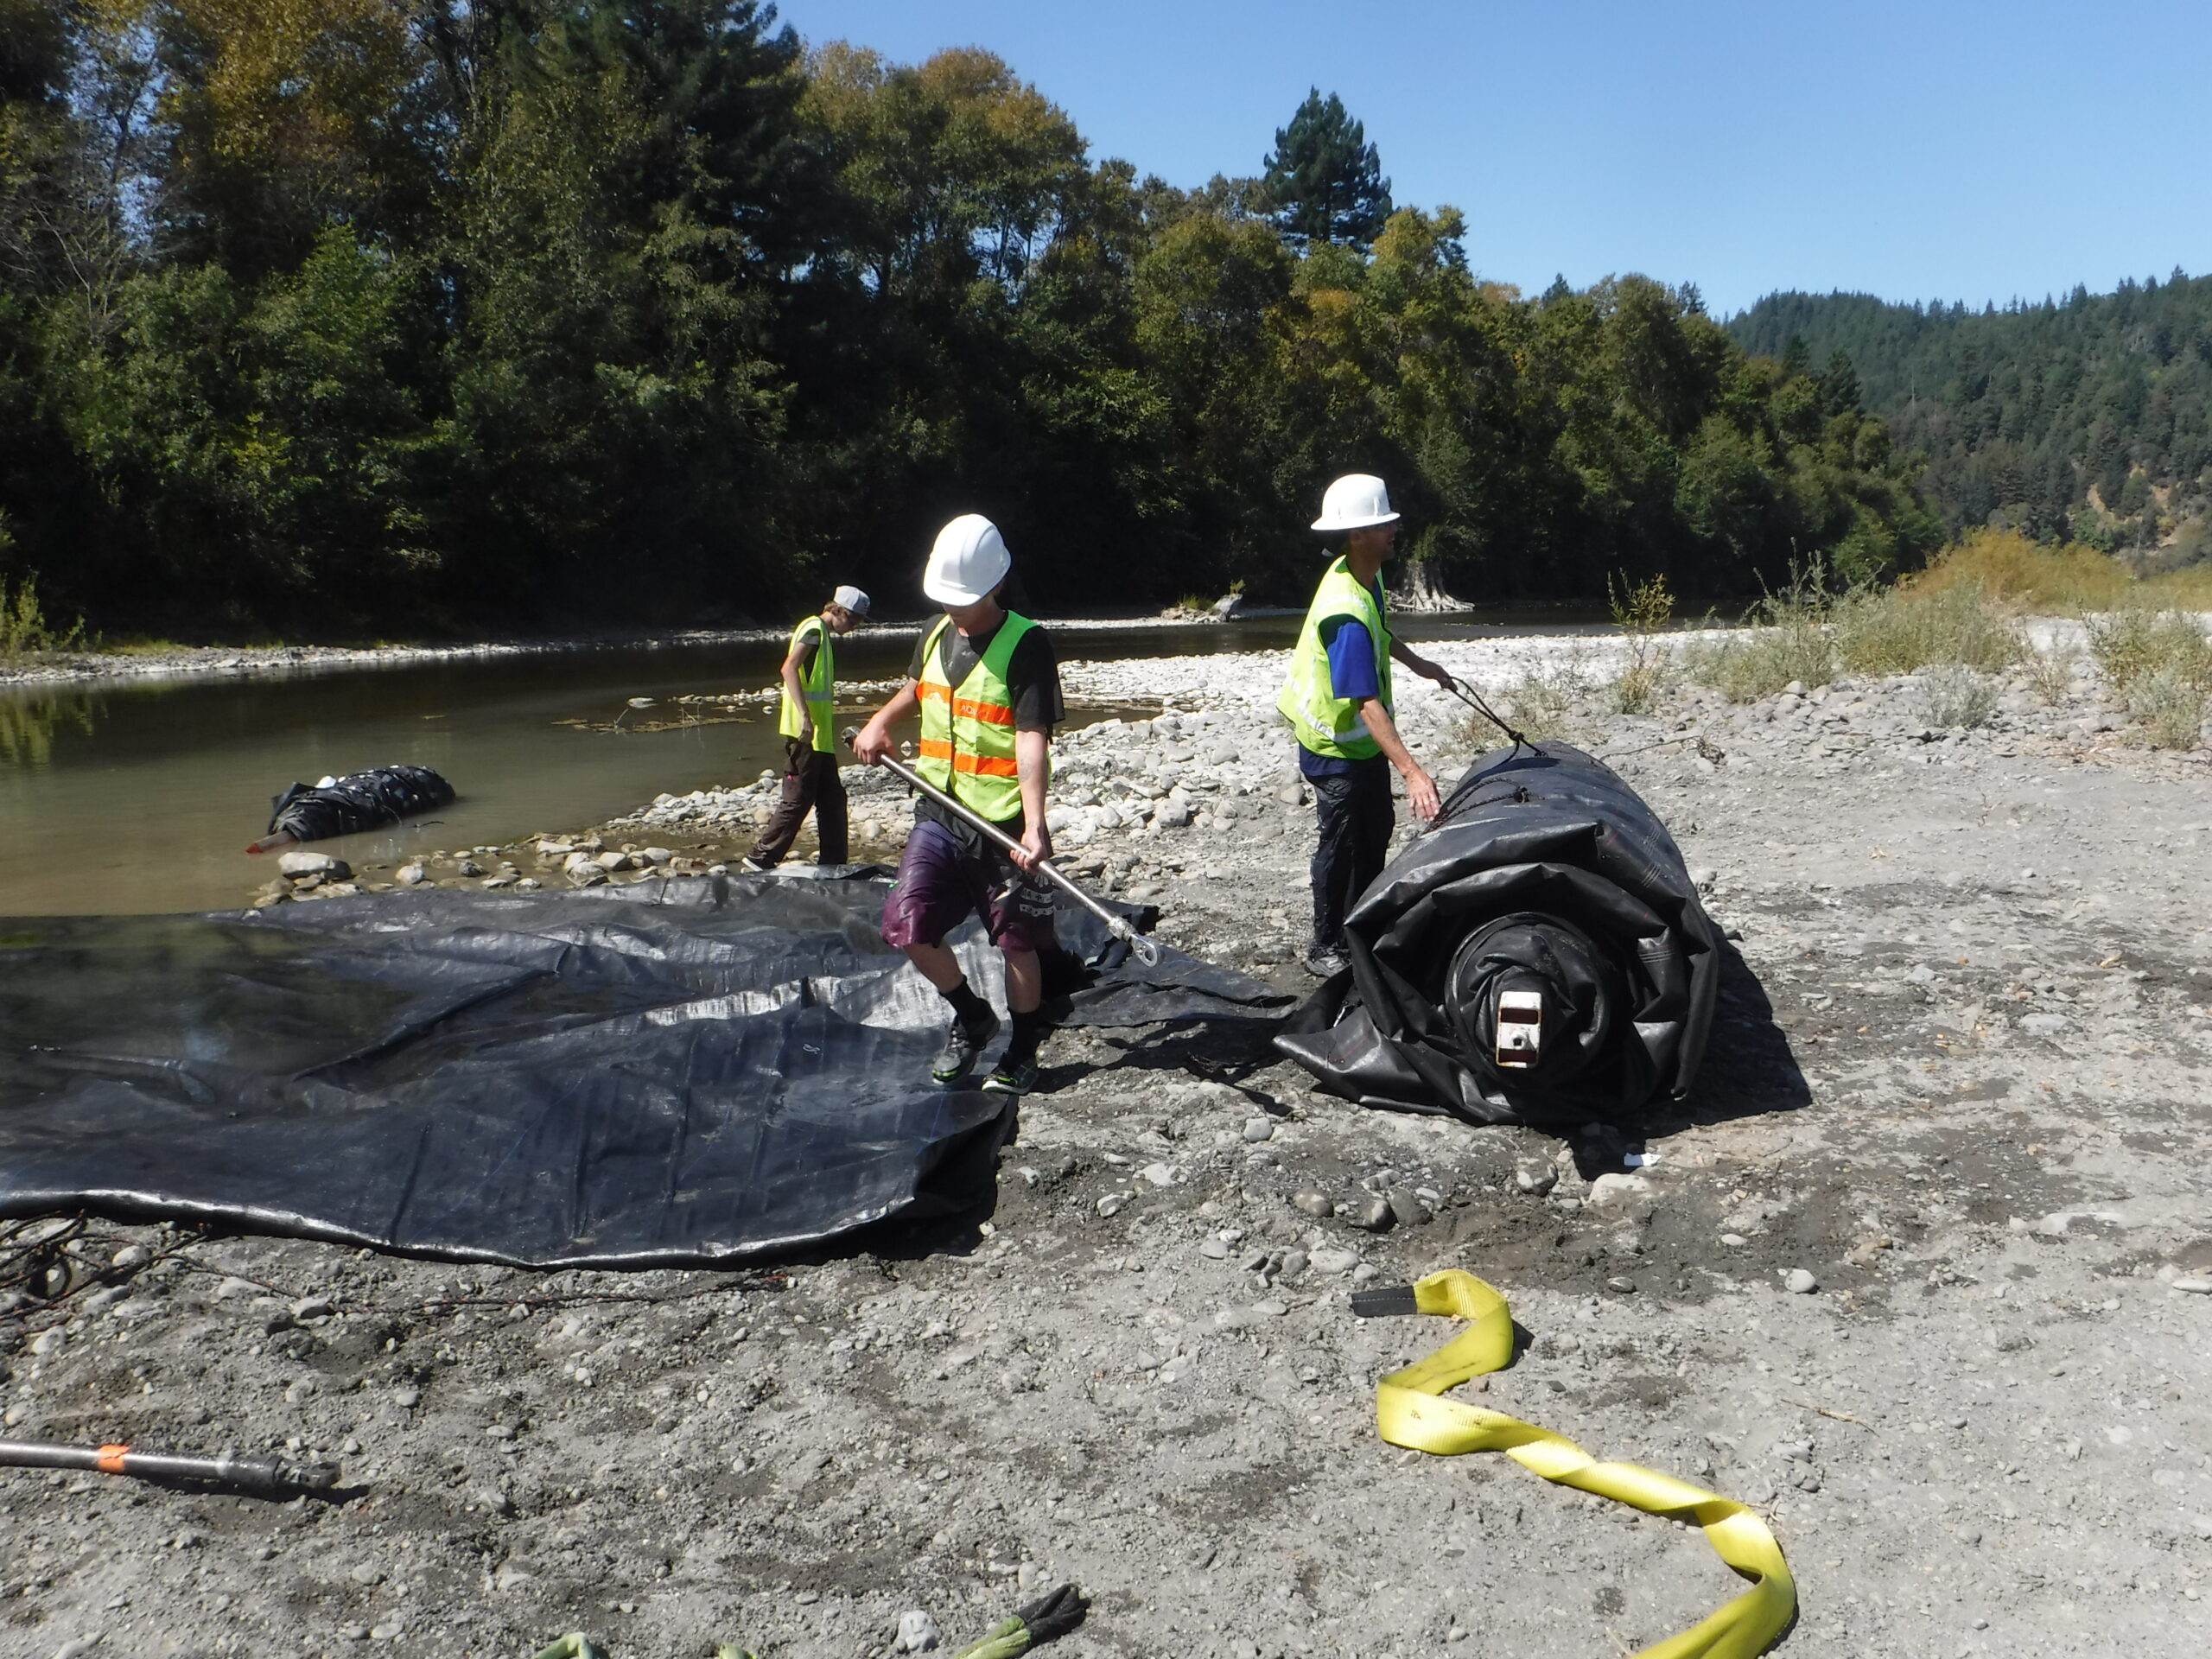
x=1838, y=385
x=1324, y=178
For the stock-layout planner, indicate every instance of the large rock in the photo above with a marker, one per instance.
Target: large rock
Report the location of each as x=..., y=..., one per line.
x=300, y=862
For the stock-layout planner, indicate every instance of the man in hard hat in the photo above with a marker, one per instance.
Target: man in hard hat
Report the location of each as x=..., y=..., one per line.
x=1338, y=701
x=807, y=722
x=987, y=684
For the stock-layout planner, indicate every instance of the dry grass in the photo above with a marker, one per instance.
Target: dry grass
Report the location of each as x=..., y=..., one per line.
x=1905, y=628
x=2059, y=581
x=1546, y=702
x=2160, y=664
x=1786, y=640
x=1808, y=636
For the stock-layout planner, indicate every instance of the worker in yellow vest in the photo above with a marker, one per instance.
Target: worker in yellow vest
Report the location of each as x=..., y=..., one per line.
x=1338, y=701
x=987, y=685
x=807, y=720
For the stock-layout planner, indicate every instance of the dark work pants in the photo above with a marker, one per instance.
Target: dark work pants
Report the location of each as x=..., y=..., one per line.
x=1355, y=819
x=810, y=785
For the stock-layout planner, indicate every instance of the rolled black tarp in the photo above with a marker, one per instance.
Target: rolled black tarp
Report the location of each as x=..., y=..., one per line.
x=360, y=800
x=676, y=1072
x=1548, y=879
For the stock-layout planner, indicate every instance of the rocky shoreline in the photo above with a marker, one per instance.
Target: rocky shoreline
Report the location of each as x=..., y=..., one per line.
x=1919, y=1267
x=1142, y=801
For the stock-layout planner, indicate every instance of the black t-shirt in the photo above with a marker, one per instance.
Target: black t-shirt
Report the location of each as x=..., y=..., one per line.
x=1032, y=672
x=1032, y=677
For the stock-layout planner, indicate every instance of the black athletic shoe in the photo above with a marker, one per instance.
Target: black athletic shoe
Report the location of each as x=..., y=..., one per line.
x=963, y=1047
x=1013, y=1078
x=1326, y=961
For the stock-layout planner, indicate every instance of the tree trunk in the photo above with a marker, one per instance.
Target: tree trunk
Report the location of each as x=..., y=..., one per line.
x=1421, y=592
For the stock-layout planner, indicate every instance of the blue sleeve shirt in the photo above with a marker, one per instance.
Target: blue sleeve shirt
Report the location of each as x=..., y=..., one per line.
x=1351, y=658
x=1352, y=676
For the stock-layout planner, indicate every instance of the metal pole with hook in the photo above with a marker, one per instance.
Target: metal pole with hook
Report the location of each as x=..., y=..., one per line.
x=267, y=1474
x=1145, y=951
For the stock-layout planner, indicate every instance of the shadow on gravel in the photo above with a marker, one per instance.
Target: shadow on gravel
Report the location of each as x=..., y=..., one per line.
x=1750, y=1069
x=1217, y=1050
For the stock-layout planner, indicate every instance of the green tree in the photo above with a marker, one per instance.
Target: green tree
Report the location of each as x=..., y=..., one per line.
x=1324, y=178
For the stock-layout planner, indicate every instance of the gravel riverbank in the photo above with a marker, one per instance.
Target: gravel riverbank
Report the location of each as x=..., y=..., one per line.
x=1955, y=1097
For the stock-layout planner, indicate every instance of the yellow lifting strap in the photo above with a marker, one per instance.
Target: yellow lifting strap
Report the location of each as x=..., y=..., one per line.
x=1408, y=1413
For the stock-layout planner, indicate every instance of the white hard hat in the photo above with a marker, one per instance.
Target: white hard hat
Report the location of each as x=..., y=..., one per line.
x=1354, y=502
x=850, y=598
x=968, y=562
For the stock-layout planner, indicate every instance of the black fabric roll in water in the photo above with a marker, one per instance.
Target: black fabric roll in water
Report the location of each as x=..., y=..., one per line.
x=360, y=800
x=680, y=1071
x=1545, y=874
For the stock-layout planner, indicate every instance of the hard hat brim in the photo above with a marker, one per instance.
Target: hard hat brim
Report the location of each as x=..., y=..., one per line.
x=942, y=592
x=1365, y=523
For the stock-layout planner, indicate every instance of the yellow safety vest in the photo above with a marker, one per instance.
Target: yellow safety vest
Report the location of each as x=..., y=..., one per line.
x=967, y=747
x=1326, y=723
x=818, y=684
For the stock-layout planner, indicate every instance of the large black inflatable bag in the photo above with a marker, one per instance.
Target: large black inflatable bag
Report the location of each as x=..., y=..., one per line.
x=1544, y=873
x=359, y=801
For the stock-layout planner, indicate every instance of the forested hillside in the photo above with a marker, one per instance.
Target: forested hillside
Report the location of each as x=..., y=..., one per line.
x=335, y=315
x=2090, y=418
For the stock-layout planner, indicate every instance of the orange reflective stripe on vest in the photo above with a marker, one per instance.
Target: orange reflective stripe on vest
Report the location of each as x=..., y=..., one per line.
x=988, y=765
x=967, y=744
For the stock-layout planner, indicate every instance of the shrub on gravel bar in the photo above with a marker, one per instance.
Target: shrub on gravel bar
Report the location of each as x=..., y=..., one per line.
x=1543, y=703
x=1810, y=637
x=2161, y=665
x=1955, y=694
x=1906, y=628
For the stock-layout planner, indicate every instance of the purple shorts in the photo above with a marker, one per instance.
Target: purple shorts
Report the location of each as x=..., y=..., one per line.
x=942, y=881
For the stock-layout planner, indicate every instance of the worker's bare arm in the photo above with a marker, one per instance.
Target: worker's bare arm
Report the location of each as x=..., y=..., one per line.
x=1401, y=651
x=1033, y=762
x=874, y=739
x=1420, y=788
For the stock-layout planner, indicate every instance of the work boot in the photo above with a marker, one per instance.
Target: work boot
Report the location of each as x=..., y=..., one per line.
x=1326, y=961
x=964, y=1045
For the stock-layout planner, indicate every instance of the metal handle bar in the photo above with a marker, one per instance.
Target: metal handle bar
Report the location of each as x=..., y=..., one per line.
x=229, y=1469
x=1147, y=951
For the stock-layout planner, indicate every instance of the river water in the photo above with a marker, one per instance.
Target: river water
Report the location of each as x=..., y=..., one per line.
x=122, y=796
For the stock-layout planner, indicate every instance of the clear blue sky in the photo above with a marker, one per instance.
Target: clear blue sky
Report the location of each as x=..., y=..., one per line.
x=1934, y=149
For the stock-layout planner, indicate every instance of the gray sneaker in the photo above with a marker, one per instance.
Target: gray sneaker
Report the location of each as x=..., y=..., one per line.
x=1326, y=961
x=1013, y=1078
x=963, y=1047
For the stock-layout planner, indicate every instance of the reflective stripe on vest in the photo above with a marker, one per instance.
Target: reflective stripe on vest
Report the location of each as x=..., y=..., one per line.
x=1326, y=723
x=968, y=734
x=818, y=684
